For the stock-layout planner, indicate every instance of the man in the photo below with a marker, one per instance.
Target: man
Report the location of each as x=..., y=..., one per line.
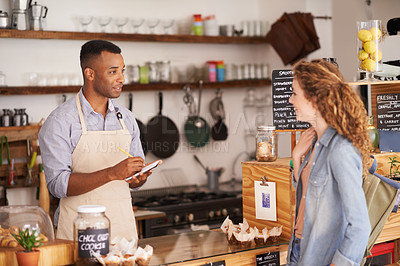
x=79, y=144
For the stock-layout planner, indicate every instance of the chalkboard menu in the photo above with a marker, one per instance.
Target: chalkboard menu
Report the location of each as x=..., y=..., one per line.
x=283, y=112
x=388, y=111
x=268, y=259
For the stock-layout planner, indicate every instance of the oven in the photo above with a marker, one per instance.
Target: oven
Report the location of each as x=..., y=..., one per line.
x=187, y=208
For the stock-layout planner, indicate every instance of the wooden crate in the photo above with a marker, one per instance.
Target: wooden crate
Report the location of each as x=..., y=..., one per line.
x=278, y=172
x=17, y=140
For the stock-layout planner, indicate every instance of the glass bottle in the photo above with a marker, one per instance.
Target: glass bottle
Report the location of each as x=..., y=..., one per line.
x=266, y=144
x=91, y=234
x=373, y=134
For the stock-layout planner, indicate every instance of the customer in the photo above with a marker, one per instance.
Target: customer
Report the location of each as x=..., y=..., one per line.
x=79, y=144
x=332, y=225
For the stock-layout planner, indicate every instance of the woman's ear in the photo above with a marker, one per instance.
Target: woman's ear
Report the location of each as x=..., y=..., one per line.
x=314, y=101
x=89, y=73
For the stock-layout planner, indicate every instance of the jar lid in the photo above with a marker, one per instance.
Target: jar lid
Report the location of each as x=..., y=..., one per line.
x=265, y=128
x=91, y=208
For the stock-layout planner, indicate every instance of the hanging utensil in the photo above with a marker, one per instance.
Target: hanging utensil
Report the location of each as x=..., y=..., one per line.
x=214, y=105
x=219, y=131
x=4, y=141
x=141, y=126
x=162, y=134
x=197, y=130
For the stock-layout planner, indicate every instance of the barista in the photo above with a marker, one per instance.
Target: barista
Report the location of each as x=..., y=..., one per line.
x=79, y=144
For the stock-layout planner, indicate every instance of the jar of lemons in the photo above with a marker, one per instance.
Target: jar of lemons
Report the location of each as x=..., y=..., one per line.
x=369, y=47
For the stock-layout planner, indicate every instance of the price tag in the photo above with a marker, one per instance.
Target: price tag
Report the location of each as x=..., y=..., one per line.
x=268, y=259
x=217, y=263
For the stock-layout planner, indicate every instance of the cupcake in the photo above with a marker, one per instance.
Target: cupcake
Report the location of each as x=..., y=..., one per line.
x=111, y=260
x=275, y=233
x=143, y=256
x=128, y=260
x=260, y=238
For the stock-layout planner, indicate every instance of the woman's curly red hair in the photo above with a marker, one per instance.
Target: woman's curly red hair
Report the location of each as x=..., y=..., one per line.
x=337, y=102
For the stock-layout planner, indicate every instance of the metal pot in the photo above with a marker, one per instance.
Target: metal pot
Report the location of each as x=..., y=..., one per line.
x=213, y=178
x=4, y=20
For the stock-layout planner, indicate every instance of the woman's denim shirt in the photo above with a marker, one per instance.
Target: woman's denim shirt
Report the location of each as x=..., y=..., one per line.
x=336, y=223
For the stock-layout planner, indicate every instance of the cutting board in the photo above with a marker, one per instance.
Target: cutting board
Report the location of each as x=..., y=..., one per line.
x=57, y=252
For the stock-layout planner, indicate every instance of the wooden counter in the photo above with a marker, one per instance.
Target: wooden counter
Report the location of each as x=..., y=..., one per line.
x=201, y=247
x=57, y=252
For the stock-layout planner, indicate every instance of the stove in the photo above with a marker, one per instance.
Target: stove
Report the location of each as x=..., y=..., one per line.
x=187, y=206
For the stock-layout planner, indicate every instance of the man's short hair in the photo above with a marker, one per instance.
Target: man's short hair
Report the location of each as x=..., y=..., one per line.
x=94, y=48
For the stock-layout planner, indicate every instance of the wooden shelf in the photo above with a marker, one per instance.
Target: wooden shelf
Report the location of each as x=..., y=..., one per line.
x=69, y=35
x=377, y=82
x=28, y=90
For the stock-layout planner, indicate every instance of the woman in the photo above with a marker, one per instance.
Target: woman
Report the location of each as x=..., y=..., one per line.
x=332, y=225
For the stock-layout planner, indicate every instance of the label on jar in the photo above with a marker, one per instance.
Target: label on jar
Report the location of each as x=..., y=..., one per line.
x=96, y=240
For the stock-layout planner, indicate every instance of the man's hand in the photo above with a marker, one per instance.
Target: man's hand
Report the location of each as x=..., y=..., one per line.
x=140, y=179
x=126, y=168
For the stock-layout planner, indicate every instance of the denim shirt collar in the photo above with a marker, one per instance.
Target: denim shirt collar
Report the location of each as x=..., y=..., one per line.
x=326, y=138
x=87, y=109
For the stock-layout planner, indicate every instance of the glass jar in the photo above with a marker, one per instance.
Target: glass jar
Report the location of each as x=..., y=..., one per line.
x=266, y=144
x=373, y=134
x=153, y=73
x=91, y=234
x=164, y=71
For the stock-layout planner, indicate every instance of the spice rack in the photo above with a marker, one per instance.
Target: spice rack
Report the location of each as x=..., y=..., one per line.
x=18, y=139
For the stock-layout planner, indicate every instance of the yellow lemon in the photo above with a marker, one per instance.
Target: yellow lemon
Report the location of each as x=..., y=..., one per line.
x=377, y=56
x=368, y=64
x=364, y=35
x=362, y=55
x=369, y=47
x=376, y=33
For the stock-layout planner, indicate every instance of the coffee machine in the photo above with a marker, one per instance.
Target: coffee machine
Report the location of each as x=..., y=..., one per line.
x=19, y=19
x=37, y=14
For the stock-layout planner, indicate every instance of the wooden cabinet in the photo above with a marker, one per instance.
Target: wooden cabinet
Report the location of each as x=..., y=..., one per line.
x=22, y=143
x=63, y=35
x=279, y=173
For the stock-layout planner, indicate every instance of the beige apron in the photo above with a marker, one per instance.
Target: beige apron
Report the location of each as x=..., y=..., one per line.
x=97, y=150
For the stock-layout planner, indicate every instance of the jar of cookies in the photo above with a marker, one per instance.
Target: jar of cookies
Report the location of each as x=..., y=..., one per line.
x=266, y=144
x=91, y=234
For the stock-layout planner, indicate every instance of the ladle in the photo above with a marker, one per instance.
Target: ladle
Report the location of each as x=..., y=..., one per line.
x=199, y=122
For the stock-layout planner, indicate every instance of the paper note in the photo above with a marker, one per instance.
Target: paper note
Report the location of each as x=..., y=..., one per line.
x=265, y=199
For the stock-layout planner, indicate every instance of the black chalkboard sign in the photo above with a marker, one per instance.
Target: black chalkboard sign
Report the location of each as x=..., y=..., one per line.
x=217, y=263
x=96, y=240
x=283, y=112
x=268, y=259
x=388, y=111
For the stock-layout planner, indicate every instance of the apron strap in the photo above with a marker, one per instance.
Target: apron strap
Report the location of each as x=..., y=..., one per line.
x=78, y=105
x=121, y=121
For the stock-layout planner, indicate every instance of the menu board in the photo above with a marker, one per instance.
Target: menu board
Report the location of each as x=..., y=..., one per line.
x=283, y=112
x=388, y=111
x=268, y=259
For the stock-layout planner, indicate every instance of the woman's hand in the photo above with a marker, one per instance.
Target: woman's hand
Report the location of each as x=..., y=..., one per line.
x=302, y=146
x=304, y=143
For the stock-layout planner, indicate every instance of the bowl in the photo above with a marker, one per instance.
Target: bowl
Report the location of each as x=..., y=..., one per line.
x=32, y=217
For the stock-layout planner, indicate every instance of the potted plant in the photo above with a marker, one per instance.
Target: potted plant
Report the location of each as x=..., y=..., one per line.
x=394, y=168
x=29, y=240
